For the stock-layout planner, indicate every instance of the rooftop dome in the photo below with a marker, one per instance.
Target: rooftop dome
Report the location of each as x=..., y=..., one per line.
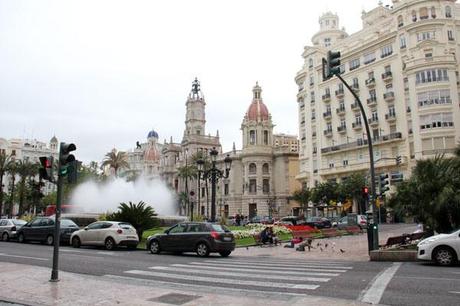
x=257, y=110
x=54, y=140
x=152, y=133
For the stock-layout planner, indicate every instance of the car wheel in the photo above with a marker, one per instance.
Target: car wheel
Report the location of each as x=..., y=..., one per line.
x=21, y=238
x=444, y=256
x=202, y=249
x=225, y=253
x=76, y=243
x=49, y=240
x=110, y=244
x=155, y=247
x=5, y=237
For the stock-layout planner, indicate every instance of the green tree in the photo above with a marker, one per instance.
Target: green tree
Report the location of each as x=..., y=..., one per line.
x=351, y=189
x=12, y=171
x=25, y=170
x=303, y=197
x=5, y=162
x=325, y=192
x=431, y=194
x=141, y=216
x=116, y=160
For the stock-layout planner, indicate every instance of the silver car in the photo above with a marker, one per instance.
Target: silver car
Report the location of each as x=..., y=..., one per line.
x=9, y=227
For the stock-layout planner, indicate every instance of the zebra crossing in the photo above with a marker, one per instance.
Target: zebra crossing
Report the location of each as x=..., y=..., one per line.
x=253, y=274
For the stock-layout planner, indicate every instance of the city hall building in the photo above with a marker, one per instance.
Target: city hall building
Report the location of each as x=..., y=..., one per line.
x=403, y=66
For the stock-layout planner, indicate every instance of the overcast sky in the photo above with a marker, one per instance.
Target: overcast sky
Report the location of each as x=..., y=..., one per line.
x=102, y=74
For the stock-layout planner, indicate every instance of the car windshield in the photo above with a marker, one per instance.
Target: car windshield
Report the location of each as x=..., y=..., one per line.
x=219, y=228
x=68, y=223
x=19, y=222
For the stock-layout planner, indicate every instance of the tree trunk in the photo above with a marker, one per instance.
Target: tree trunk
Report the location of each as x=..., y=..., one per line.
x=10, y=212
x=22, y=187
x=1, y=195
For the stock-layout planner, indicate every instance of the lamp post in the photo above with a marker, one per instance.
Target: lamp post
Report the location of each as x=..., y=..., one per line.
x=214, y=174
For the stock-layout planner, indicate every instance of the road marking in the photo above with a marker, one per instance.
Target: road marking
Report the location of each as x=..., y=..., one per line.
x=374, y=291
x=71, y=251
x=26, y=257
x=273, y=264
x=267, y=271
x=268, y=268
x=429, y=278
x=258, y=276
x=204, y=288
x=223, y=280
x=455, y=292
x=106, y=253
x=281, y=261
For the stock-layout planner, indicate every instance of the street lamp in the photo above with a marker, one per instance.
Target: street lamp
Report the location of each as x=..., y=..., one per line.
x=215, y=174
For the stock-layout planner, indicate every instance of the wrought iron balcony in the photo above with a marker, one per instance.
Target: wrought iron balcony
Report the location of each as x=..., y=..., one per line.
x=339, y=93
x=370, y=82
x=326, y=97
x=357, y=125
x=390, y=117
x=328, y=133
x=389, y=96
x=341, y=110
x=387, y=76
x=342, y=129
x=372, y=101
x=327, y=115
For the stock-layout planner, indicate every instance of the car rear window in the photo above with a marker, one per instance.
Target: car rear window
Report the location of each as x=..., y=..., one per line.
x=125, y=225
x=219, y=228
x=68, y=223
x=19, y=222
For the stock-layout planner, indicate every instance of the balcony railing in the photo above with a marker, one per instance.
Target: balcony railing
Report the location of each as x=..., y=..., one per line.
x=389, y=96
x=387, y=76
x=327, y=133
x=342, y=129
x=327, y=115
x=362, y=142
x=372, y=101
x=370, y=82
x=390, y=117
x=326, y=97
x=355, y=106
x=341, y=110
x=339, y=93
x=357, y=125
x=373, y=121
x=355, y=86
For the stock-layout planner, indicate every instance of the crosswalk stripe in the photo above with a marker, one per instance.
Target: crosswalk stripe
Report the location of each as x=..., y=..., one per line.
x=258, y=276
x=281, y=261
x=266, y=271
x=271, y=264
x=223, y=280
x=268, y=267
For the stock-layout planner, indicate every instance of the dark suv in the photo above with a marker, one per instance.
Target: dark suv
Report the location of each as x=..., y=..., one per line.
x=42, y=229
x=200, y=237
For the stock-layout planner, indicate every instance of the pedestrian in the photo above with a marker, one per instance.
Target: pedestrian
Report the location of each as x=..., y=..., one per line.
x=238, y=219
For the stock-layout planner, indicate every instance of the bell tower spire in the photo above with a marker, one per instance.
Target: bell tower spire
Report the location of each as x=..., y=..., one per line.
x=195, y=118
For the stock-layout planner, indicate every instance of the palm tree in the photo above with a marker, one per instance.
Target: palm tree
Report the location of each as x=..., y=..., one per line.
x=12, y=171
x=5, y=162
x=115, y=160
x=141, y=216
x=25, y=169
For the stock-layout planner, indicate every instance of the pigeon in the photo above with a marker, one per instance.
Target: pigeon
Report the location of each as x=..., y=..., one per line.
x=247, y=248
x=342, y=251
x=326, y=245
x=321, y=249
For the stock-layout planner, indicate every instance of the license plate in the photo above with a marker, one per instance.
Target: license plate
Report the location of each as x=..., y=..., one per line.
x=227, y=238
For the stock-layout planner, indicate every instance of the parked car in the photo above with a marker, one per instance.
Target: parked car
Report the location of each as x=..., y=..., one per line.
x=200, y=237
x=106, y=233
x=291, y=220
x=334, y=221
x=42, y=229
x=318, y=222
x=361, y=221
x=444, y=249
x=9, y=227
x=262, y=220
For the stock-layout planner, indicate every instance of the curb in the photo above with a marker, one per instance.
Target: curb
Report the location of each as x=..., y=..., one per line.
x=393, y=255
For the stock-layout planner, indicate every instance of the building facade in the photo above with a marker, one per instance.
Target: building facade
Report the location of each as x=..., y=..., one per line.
x=262, y=175
x=403, y=65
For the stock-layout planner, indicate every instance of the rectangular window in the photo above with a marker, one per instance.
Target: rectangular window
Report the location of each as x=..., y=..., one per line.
x=265, y=137
x=266, y=186
x=434, y=97
x=252, y=186
x=369, y=58
x=426, y=35
x=402, y=42
x=226, y=189
x=386, y=51
x=312, y=96
x=431, y=75
x=354, y=64
x=438, y=120
x=450, y=35
x=252, y=137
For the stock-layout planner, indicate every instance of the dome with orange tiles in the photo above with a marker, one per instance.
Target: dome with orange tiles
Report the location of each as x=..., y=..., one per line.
x=257, y=110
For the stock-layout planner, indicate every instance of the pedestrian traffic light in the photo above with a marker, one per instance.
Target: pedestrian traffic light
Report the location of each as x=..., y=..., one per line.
x=65, y=157
x=331, y=65
x=46, y=168
x=365, y=192
x=384, y=183
x=398, y=160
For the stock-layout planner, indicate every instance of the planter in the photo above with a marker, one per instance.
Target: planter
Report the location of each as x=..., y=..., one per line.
x=393, y=255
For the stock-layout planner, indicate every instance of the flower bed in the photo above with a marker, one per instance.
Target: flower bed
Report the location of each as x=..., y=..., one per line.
x=295, y=228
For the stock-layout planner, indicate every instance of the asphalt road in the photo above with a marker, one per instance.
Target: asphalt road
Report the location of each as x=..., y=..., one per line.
x=402, y=283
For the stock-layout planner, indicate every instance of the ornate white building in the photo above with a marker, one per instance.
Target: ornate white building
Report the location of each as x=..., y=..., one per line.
x=403, y=65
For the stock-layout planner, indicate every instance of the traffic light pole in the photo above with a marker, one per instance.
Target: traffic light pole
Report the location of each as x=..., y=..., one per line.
x=372, y=230
x=57, y=225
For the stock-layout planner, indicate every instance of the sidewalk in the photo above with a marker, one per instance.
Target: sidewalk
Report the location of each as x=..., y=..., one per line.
x=29, y=285
x=354, y=247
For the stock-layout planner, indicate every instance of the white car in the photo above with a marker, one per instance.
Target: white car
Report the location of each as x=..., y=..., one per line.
x=106, y=233
x=444, y=249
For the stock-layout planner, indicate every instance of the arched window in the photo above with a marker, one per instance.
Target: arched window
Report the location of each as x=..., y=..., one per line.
x=310, y=62
x=265, y=169
x=400, y=21
x=252, y=168
x=448, y=12
x=265, y=137
x=414, y=16
x=433, y=12
x=423, y=13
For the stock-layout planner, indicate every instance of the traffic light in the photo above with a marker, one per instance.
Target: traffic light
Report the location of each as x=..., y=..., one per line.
x=72, y=171
x=398, y=160
x=65, y=157
x=365, y=192
x=331, y=65
x=46, y=168
x=384, y=183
